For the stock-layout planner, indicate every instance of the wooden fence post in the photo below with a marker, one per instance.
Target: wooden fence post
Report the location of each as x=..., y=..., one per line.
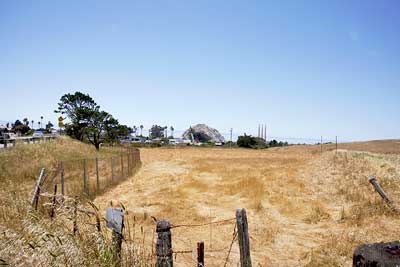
x=53, y=204
x=97, y=175
x=382, y=193
x=200, y=254
x=84, y=178
x=243, y=237
x=62, y=179
x=112, y=169
x=115, y=221
x=35, y=198
x=75, y=217
x=128, y=157
x=5, y=142
x=122, y=165
x=164, y=244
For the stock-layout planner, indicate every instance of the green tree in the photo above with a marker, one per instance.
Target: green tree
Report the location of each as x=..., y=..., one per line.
x=246, y=141
x=26, y=121
x=156, y=131
x=79, y=108
x=172, y=131
x=98, y=127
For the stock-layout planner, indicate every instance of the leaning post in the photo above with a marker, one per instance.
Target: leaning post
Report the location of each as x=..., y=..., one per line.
x=164, y=244
x=243, y=237
x=35, y=198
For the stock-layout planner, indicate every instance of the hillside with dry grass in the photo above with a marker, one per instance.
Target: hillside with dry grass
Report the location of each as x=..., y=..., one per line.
x=32, y=238
x=304, y=208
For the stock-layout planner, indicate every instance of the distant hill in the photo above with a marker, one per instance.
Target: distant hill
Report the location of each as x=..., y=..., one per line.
x=374, y=146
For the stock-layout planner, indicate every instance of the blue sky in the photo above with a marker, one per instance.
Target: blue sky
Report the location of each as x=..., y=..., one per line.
x=305, y=68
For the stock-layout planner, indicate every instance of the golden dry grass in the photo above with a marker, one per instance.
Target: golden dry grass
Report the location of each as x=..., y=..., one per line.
x=31, y=238
x=304, y=208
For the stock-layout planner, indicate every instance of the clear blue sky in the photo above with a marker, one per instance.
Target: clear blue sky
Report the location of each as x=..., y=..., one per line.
x=306, y=68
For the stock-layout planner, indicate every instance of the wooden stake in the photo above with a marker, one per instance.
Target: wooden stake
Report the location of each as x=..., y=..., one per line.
x=35, y=198
x=122, y=165
x=243, y=237
x=200, y=254
x=112, y=169
x=75, y=217
x=97, y=175
x=62, y=180
x=164, y=244
x=53, y=204
x=382, y=193
x=85, y=191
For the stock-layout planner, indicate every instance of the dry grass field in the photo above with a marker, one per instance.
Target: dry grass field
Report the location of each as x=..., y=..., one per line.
x=304, y=208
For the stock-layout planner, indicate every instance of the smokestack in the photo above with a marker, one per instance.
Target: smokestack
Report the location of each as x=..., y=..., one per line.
x=262, y=132
x=265, y=132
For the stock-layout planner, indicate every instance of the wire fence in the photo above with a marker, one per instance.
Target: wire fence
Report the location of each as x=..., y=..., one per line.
x=89, y=177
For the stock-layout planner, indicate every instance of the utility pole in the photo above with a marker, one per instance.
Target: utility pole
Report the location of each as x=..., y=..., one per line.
x=321, y=144
x=336, y=144
x=231, y=137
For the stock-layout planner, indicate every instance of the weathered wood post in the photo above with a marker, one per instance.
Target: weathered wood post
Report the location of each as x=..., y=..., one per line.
x=35, y=198
x=62, y=180
x=382, y=193
x=112, y=169
x=200, y=254
x=5, y=141
x=97, y=175
x=122, y=165
x=85, y=191
x=53, y=202
x=164, y=244
x=75, y=216
x=128, y=157
x=115, y=221
x=243, y=237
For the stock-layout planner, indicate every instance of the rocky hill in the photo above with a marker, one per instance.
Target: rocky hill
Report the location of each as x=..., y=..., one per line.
x=203, y=133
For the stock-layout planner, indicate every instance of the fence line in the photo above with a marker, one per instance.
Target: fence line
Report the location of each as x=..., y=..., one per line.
x=88, y=177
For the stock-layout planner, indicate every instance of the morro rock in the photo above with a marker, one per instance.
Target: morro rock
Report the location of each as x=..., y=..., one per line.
x=203, y=133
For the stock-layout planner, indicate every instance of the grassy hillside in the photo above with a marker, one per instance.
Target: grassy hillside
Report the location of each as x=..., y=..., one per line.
x=20, y=166
x=32, y=238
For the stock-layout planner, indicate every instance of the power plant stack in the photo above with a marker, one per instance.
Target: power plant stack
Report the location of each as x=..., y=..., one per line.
x=262, y=131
